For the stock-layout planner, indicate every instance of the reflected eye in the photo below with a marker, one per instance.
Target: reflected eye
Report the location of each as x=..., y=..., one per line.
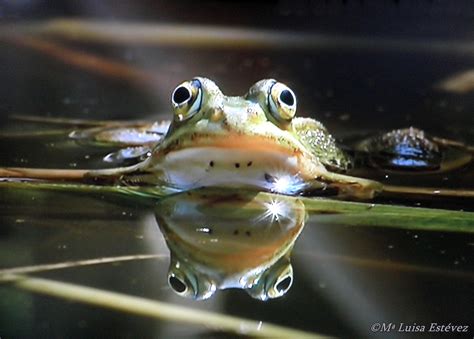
x=281, y=102
x=187, y=99
x=177, y=284
x=189, y=283
x=283, y=285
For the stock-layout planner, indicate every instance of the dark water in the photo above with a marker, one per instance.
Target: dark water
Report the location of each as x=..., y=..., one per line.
x=346, y=278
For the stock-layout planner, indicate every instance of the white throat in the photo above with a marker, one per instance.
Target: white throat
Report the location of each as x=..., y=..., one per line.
x=215, y=166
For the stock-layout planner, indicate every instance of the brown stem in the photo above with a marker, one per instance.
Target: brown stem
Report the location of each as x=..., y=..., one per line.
x=43, y=173
x=389, y=190
x=93, y=63
x=75, y=122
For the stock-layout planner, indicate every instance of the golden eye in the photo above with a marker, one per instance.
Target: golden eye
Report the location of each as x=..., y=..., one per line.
x=187, y=99
x=281, y=102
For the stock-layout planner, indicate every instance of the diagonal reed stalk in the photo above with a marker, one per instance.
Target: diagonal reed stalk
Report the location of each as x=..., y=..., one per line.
x=153, y=308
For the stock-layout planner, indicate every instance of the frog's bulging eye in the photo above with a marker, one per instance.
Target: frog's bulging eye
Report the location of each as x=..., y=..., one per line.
x=187, y=99
x=287, y=97
x=281, y=102
x=181, y=95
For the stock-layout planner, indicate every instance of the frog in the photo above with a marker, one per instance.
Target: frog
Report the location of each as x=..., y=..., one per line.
x=252, y=141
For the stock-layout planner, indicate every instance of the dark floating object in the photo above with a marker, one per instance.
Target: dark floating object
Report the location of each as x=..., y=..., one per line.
x=411, y=149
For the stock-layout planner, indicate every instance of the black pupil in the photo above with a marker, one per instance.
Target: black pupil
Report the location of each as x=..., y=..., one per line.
x=181, y=94
x=284, y=284
x=177, y=285
x=287, y=98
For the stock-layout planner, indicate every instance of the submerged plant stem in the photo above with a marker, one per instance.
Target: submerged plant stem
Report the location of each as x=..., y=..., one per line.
x=326, y=211
x=427, y=191
x=355, y=214
x=83, y=60
x=74, y=122
x=154, y=309
x=77, y=263
x=35, y=134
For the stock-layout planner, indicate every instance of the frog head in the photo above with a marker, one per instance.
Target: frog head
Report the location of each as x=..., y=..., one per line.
x=253, y=140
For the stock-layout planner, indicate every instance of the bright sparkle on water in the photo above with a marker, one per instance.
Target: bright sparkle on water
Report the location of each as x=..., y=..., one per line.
x=276, y=210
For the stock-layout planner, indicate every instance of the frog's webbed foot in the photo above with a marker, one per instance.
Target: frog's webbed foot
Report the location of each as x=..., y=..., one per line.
x=97, y=132
x=138, y=141
x=123, y=135
x=134, y=154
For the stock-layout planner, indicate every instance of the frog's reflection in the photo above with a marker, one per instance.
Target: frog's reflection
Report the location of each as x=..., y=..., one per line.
x=239, y=240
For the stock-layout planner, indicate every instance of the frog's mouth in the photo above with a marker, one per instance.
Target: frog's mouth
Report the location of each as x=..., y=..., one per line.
x=235, y=161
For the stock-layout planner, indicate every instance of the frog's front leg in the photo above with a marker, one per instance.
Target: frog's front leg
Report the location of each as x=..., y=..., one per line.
x=99, y=176
x=346, y=186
